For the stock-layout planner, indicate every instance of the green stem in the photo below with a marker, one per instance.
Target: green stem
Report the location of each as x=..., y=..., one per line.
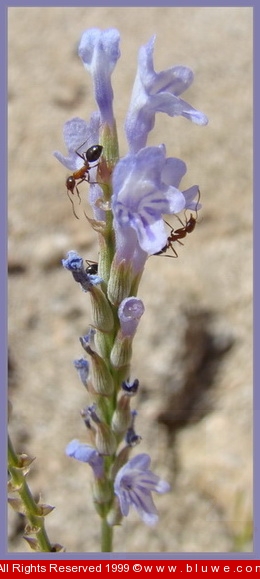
x=106, y=537
x=32, y=510
x=106, y=249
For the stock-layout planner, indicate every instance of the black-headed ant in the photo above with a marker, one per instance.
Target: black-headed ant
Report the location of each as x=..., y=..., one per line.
x=92, y=268
x=90, y=156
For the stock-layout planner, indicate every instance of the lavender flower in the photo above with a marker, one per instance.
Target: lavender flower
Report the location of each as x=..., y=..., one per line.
x=131, y=438
x=129, y=312
x=86, y=453
x=130, y=388
x=145, y=186
x=99, y=51
x=76, y=132
x=133, y=486
x=154, y=93
x=80, y=135
x=87, y=340
x=75, y=264
x=82, y=367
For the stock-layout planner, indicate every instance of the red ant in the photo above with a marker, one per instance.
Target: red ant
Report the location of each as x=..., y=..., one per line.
x=90, y=156
x=180, y=233
x=176, y=235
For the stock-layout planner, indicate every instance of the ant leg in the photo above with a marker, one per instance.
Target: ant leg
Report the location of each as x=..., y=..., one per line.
x=81, y=156
x=175, y=254
x=78, y=195
x=169, y=225
x=72, y=205
x=88, y=175
x=76, y=186
x=179, y=219
x=77, y=153
x=196, y=210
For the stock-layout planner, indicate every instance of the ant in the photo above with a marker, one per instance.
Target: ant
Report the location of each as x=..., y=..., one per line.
x=92, y=268
x=180, y=233
x=177, y=234
x=90, y=156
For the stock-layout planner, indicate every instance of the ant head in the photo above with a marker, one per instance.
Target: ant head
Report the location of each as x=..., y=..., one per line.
x=92, y=268
x=70, y=183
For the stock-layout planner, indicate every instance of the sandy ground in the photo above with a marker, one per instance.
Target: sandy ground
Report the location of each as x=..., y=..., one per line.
x=193, y=349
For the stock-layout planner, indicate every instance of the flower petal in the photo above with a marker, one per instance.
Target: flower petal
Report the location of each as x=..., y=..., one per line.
x=77, y=132
x=130, y=311
x=157, y=92
x=86, y=453
x=133, y=486
x=99, y=51
x=141, y=197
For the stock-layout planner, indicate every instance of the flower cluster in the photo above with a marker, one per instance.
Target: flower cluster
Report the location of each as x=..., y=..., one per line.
x=129, y=198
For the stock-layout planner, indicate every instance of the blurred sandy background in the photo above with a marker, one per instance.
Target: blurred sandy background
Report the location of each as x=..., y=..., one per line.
x=193, y=350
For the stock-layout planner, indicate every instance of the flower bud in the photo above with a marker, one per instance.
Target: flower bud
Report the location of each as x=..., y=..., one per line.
x=130, y=388
x=114, y=516
x=121, y=352
x=102, y=491
x=130, y=311
x=101, y=378
x=119, y=284
x=122, y=417
x=102, y=314
x=82, y=367
x=105, y=439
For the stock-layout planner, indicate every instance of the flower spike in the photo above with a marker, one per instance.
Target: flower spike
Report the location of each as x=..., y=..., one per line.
x=130, y=198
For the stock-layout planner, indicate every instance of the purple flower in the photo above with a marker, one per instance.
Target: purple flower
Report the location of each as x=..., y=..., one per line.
x=145, y=187
x=77, y=132
x=173, y=172
x=75, y=264
x=157, y=92
x=129, y=312
x=192, y=196
x=131, y=438
x=86, y=453
x=80, y=136
x=130, y=388
x=99, y=51
x=82, y=367
x=87, y=340
x=133, y=486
